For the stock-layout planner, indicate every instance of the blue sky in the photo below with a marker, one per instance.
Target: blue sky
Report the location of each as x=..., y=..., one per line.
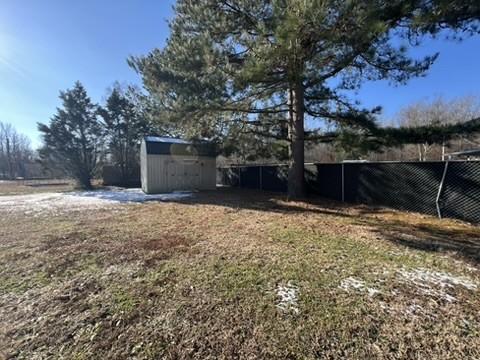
x=45, y=46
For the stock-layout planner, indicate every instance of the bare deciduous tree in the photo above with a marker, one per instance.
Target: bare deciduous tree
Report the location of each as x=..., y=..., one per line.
x=15, y=152
x=439, y=112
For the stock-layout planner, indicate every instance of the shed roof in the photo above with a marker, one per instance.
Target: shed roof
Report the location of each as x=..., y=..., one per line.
x=158, y=145
x=164, y=139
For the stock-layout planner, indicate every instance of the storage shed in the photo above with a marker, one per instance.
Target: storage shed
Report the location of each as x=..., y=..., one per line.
x=169, y=164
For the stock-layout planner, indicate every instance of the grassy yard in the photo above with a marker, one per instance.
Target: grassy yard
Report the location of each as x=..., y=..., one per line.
x=238, y=274
x=19, y=187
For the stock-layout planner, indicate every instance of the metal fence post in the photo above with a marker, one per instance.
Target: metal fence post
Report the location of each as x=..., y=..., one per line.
x=343, y=182
x=440, y=189
x=261, y=179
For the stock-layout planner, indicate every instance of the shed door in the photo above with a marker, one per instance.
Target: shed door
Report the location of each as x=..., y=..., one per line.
x=192, y=174
x=183, y=175
x=173, y=175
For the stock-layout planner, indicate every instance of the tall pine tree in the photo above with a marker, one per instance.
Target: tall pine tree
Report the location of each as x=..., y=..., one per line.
x=124, y=125
x=265, y=63
x=72, y=140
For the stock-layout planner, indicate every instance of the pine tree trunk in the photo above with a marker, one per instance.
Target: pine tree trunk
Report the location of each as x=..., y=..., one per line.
x=84, y=181
x=296, y=181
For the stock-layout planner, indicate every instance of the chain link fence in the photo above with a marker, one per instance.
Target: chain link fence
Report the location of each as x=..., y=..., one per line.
x=446, y=189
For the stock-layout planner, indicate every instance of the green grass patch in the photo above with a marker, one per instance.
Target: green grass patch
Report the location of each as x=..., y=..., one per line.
x=20, y=283
x=123, y=300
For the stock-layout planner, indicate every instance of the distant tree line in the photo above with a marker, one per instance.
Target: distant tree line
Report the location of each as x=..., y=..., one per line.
x=16, y=154
x=437, y=112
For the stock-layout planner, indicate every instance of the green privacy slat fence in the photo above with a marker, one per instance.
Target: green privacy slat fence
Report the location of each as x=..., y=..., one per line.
x=434, y=188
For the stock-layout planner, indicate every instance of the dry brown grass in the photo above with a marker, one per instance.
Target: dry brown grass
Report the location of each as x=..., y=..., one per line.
x=19, y=187
x=198, y=279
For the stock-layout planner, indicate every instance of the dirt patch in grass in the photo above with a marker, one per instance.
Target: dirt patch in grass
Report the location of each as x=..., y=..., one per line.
x=238, y=274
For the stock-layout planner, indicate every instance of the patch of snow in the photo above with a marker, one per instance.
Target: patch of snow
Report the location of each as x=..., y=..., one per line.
x=358, y=285
x=287, y=297
x=372, y=291
x=438, y=278
x=54, y=203
x=118, y=195
x=465, y=265
x=126, y=270
x=408, y=310
x=471, y=268
x=352, y=283
x=434, y=283
x=414, y=309
x=396, y=253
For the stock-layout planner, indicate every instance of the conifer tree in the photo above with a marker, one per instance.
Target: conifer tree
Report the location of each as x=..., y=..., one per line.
x=72, y=140
x=124, y=126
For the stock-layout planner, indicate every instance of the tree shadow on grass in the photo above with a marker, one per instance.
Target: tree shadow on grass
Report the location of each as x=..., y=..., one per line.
x=434, y=237
x=245, y=199
x=412, y=230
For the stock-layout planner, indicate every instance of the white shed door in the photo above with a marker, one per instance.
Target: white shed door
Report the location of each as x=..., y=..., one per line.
x=183, y=175
x=173, y=176
x=191, y=172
